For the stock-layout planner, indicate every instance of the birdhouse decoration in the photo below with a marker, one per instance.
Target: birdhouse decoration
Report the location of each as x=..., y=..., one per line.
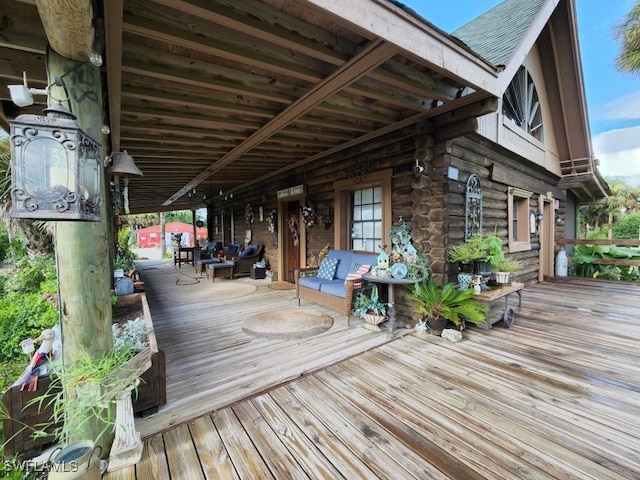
x=383, y=264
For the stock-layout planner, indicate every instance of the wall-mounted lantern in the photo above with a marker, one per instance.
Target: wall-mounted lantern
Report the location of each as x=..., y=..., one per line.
x=55, y=168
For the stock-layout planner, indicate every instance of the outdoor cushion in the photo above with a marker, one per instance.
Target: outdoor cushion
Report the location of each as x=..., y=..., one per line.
x=327, y=270
x=250, y=250
x=312, y=282
x=345, y=257
x=334, y=287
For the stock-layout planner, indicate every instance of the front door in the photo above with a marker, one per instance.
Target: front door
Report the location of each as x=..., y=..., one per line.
x=292, y=240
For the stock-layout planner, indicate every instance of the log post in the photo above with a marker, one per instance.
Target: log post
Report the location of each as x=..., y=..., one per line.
x=82, y=248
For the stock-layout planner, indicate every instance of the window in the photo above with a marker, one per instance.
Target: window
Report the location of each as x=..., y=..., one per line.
x=518, y=214
x=366, y=219
x=521, y=104
x=363, y=212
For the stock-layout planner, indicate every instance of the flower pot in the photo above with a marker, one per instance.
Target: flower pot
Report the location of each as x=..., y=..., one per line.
x=502, y=278
x=464, y=280
x=436, y=325
x=78, y=460
x=482, y=267
x=371, y=321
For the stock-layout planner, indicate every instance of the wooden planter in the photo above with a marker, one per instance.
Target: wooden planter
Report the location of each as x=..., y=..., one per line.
x=151, y=394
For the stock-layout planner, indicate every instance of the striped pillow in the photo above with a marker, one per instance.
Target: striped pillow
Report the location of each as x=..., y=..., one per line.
x=361, y=270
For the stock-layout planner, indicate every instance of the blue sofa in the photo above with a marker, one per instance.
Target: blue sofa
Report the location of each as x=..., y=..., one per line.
x=337, y=293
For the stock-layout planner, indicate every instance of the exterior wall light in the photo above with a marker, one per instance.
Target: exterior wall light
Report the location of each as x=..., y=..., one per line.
x=55, y=168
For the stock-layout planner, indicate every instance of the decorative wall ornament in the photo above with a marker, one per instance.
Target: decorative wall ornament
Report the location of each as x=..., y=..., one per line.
x=473, y=208
x=248, y=215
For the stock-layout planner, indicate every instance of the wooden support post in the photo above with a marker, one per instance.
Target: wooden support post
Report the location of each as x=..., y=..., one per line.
x=82, y=248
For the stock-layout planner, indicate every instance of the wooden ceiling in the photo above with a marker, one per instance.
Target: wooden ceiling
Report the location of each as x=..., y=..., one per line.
x=221, y=95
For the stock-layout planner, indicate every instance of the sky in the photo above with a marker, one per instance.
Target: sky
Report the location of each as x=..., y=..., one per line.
x=613, y=98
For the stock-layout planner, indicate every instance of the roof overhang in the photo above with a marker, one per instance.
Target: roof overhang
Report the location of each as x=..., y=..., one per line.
x=216, y=94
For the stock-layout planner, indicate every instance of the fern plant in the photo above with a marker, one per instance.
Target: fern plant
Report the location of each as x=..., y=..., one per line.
x=435, y=301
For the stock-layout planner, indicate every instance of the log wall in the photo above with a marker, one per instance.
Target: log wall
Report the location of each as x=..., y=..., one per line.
x=432, y=204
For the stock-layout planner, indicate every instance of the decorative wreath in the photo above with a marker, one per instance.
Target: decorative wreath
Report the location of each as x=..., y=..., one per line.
x=309, y=216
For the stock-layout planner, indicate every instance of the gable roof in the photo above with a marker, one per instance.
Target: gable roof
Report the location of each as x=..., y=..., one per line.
x=495, y=34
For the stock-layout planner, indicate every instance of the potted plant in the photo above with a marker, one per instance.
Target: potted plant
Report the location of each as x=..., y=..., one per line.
x=370, y=309
x=439, y=304
x=477, y=255
x=80, y=397
x=502, y=270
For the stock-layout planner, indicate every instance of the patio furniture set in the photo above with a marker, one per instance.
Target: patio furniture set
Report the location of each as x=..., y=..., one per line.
x=230, y=261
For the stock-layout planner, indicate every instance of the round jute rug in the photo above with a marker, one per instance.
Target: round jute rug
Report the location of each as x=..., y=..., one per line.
x=287, y=323
x=206, y=292
x=282, y=285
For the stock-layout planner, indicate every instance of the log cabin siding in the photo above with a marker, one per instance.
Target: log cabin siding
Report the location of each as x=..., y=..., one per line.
x=498, y=169
x=432, y=204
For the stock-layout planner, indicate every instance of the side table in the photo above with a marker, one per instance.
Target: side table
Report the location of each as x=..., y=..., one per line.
x=391, y=282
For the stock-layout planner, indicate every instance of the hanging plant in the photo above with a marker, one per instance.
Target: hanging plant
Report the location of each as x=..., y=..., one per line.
x=272, y=221
x=293, y=229
x=309, y=216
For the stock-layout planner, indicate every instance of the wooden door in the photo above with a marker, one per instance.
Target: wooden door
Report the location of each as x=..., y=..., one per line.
x=292, y=244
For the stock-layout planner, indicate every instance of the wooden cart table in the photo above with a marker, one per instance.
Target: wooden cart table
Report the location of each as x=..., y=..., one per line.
x=495, y=311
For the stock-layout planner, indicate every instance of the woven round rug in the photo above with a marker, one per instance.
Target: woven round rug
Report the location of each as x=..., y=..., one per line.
x=287, y=323
x=221, y=290
x=282, y=286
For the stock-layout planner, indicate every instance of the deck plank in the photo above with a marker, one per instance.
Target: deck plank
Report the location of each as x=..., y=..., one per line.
x=555, y=397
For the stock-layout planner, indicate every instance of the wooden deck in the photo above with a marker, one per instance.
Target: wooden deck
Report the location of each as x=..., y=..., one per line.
x=211, y=362
x=555, y=397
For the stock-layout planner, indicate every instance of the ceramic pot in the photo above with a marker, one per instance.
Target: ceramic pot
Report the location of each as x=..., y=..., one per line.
x=436, y=325
x=502, y=278
x=464, y=280
x=78, y=460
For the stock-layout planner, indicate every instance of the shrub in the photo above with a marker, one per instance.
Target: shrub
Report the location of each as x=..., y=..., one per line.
x=627, y=227
x=4, y=243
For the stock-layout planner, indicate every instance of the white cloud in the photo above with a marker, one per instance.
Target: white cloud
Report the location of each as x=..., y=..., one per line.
x=624, y=107
x=618, y=151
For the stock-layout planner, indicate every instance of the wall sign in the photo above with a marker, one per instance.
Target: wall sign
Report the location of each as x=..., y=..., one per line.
x=290, y=192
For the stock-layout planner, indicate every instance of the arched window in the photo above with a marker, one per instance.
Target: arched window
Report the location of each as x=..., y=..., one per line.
x=521, y=104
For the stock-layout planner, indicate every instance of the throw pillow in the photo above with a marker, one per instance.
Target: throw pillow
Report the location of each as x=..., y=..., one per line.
x=361, y=270
x=328, y=268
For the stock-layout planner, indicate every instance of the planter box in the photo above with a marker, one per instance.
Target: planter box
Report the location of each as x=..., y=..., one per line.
x=151, y=394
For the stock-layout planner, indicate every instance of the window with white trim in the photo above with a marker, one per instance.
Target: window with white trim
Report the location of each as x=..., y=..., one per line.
x=363, y=212
x=366, y=219
x=518, y=216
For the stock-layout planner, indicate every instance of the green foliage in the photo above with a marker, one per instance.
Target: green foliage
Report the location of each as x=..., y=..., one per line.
x=447, y=302
x=364, y=304
x=506, y=265
x=28, y=304
x=124, y=256
x=585, y=256
x=479, y=247
x=627, y=227
x=4, y=243
x=90, y=388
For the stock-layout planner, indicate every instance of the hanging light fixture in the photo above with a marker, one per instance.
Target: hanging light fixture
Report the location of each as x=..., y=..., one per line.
x=124, y=166
x=55, y=168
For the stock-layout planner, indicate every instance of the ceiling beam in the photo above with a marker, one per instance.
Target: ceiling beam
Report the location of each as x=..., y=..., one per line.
x=369, y=58
x=68, y=25
x=113, y=37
